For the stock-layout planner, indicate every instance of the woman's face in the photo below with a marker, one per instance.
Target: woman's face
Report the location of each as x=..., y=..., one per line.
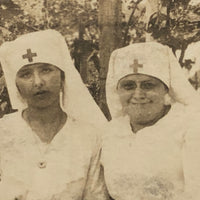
x=142, y=97
x=39, y=84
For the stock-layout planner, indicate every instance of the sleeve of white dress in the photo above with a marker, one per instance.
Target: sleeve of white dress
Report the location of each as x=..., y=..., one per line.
x=191, y=161
x=95, y=188
x=10, y=188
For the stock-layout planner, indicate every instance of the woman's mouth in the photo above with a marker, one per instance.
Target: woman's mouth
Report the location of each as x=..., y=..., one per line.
x=140, y=102
x=40, y=93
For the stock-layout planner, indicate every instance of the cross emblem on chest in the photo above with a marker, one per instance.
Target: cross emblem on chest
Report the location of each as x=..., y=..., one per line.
x=29, y=55
x=136, y=65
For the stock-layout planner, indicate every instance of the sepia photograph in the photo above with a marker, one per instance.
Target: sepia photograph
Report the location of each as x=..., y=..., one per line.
x=99, y=99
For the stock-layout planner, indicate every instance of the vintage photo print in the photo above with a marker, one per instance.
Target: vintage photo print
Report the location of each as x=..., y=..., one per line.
x=99, y=99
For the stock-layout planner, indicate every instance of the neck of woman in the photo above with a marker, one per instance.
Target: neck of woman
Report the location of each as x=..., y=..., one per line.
x=46, y=121
x=44, y=114
x=136, y=127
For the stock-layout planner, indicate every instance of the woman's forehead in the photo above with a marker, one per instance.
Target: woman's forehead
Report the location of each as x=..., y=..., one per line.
x=139, y=78
x=37, y=65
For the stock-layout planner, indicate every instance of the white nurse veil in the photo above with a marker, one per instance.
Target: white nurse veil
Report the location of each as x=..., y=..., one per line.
x=156, y=60
x=49, y=46
x=192, y=53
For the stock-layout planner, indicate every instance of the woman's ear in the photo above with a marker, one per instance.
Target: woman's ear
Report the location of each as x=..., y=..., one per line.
x=167, y=100
x=62, y=86
x=62, y=76
x=62, y=93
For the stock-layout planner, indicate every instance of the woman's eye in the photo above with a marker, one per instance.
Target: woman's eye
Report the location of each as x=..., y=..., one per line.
x=25, y=75
x=46, y=70
x=128, y=86
x=148, y=86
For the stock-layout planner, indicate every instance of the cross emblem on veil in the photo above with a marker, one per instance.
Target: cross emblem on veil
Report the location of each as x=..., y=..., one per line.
x=29, y=55
x=136, y=65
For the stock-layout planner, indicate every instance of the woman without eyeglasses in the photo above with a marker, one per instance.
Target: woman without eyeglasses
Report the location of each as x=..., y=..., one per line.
x=49, y=149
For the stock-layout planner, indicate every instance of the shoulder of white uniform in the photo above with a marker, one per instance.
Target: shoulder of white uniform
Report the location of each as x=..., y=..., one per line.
x=89, y=132
x=178, y=112
x=12, y=117
x=185, y=122
x=117, y=128
x=192, y=122
x=8, y=127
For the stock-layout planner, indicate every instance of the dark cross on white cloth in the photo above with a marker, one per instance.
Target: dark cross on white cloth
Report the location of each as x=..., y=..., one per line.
x=136, y=65
x=29, y=55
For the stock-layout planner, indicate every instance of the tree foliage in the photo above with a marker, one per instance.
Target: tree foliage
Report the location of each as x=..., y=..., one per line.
x=178, y=26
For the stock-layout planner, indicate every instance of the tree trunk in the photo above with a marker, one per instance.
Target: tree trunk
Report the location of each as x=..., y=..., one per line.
x=110, y=39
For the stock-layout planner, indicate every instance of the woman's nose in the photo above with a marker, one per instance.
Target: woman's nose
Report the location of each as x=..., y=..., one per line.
x=38, y=81
x=138, y=93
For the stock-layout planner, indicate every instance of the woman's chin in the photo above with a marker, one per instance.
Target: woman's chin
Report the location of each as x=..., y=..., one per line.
x=40, y=104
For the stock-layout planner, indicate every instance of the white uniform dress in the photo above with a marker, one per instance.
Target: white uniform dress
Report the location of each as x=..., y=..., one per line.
x=151, y=164
x=67, y=168
x=146, y=165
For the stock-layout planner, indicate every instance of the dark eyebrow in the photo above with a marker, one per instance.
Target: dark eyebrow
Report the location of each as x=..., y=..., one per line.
x=122, y=82
x=147, y=81
x=24, y=70
x=126, y=81
x=47, y=67
x=43, y=66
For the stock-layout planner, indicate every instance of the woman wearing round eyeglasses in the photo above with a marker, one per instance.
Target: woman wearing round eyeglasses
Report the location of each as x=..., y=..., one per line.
x=144, y=152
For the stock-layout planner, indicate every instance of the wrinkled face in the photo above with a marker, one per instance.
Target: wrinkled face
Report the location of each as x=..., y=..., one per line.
x=142, y=97
x=39, y=84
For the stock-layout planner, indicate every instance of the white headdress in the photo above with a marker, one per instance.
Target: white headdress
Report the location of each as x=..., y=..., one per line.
x=152, y=59
x=192, y=55
x=48, y=46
